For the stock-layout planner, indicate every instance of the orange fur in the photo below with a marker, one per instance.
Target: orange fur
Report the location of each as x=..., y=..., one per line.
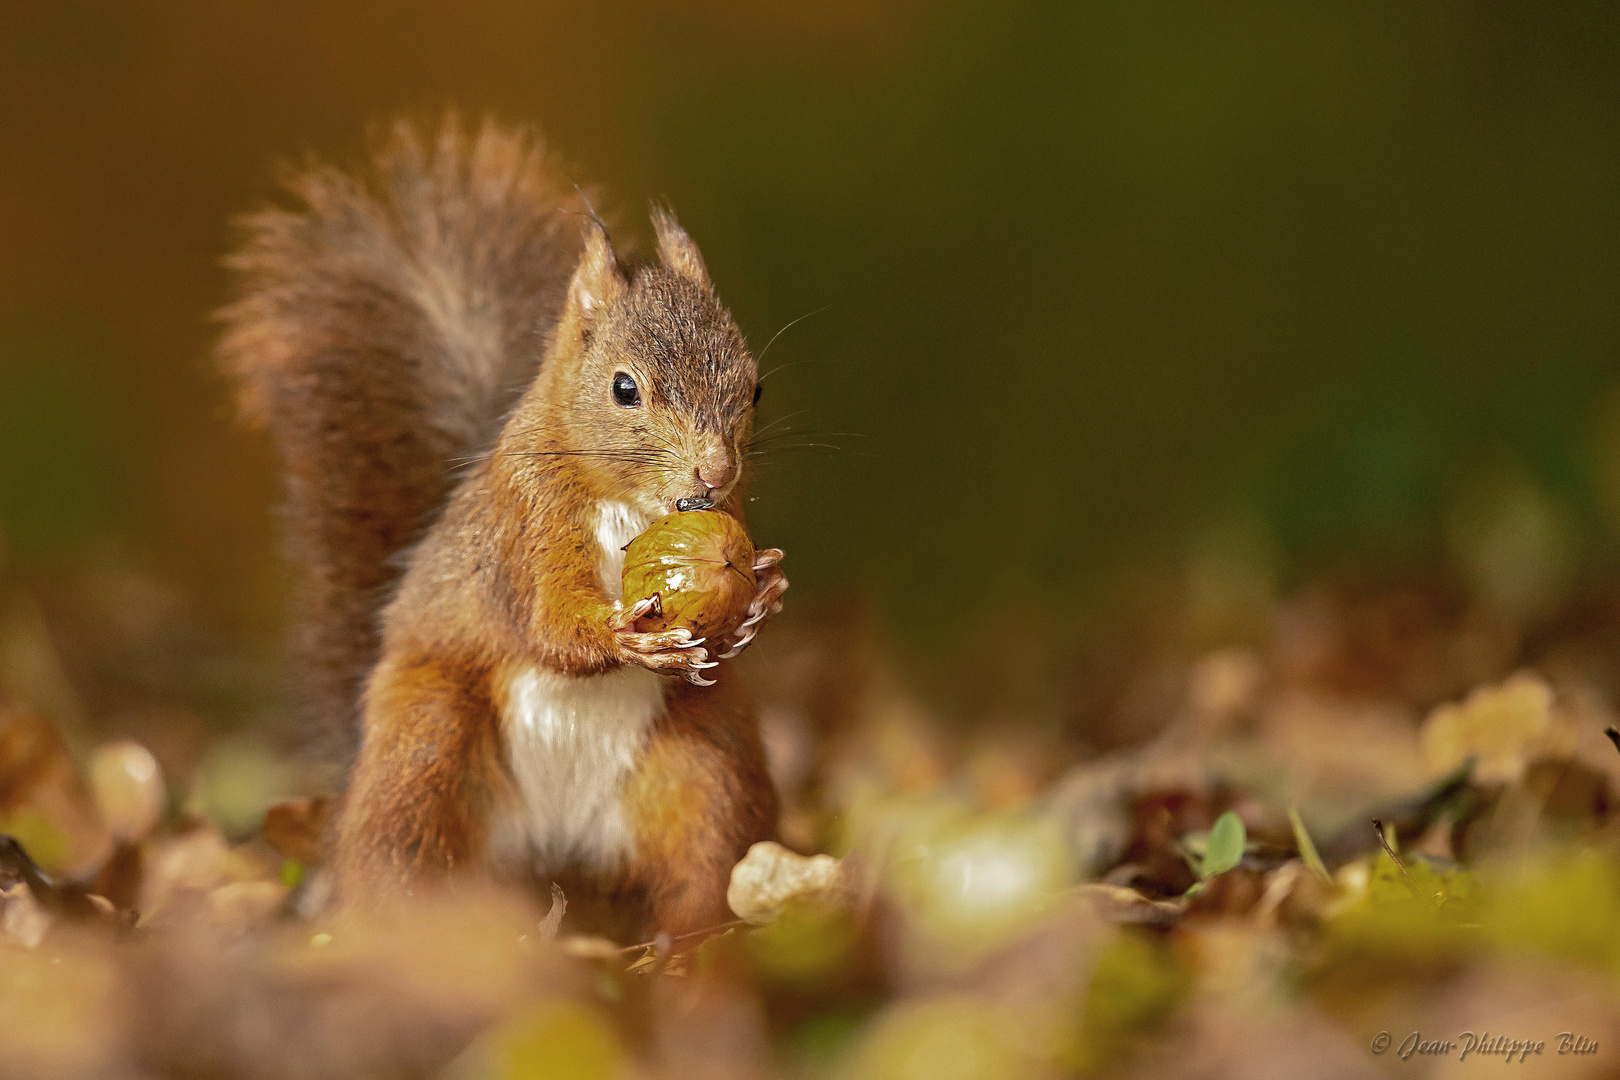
x=699, y=798
x=440, y=310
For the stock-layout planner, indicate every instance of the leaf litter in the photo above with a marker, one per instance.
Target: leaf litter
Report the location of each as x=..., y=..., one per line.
x=1332, y=834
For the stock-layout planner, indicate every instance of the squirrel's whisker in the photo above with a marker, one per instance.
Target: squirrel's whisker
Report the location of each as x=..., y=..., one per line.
x=778, y=420
x=794, y=446
x=784, y=330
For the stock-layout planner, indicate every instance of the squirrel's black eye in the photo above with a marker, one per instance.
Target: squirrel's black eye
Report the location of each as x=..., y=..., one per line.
x=758, y=390
x=625, y=392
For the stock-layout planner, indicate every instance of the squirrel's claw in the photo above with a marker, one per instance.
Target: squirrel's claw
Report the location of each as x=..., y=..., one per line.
x=668, y=652
x=652, y=605
x=745, y=634
x=767, y=601
x=738, y=646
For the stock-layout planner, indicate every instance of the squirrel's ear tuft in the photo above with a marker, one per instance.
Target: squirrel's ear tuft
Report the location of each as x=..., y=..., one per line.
x=676, y=249
x=598, y=279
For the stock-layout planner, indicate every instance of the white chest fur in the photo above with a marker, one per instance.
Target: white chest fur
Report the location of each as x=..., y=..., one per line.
x=573, y=743
x=616, y=525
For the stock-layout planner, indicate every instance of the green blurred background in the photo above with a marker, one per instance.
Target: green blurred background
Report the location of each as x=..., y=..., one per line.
x=1169, y=303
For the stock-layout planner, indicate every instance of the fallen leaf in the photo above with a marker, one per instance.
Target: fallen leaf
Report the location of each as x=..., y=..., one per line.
x=770, y=876
x=247, y=903
x=1501, y=727
x=43, y=802
x=1119, y=903
x=297, y=828
x=128, y=788
x=193, y=860
x=22, y=920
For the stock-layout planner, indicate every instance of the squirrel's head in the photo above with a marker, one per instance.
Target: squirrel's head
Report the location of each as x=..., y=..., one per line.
x=651, y=386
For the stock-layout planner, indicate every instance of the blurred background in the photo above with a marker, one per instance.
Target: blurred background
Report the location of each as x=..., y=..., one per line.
x=1210, y=427
x=1124, y=318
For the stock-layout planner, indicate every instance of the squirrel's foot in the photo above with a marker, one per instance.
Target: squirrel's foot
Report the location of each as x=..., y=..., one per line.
x=668, y=652
x=767, y=599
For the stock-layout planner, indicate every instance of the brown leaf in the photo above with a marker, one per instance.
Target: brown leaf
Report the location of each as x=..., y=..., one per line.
x=22, y=920
x=1502, y=727
x=196, y=860
x=1117, y=903
x=247, y=903
x=43, y=802
x=297, y=828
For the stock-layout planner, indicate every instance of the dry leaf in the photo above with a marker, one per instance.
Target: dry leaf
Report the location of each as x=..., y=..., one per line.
x=1503, y=728
x=770, y=876
x=43, y=802
x=195, y=860
x=1120, y=903
x=296, y=828
x=128, y=787
x=247, y=903
x=22, y=920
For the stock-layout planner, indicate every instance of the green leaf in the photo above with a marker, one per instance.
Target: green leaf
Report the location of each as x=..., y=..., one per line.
x=1307, y=849
x=1224, y=850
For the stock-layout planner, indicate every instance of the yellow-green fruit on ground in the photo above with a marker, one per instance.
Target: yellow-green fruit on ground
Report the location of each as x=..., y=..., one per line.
x=700, y=563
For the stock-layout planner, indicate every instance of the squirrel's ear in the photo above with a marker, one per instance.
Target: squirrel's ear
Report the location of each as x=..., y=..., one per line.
x=676, y=249
x=598, y=279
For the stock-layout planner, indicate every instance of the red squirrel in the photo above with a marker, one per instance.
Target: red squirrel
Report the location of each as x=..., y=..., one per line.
x=476, y=405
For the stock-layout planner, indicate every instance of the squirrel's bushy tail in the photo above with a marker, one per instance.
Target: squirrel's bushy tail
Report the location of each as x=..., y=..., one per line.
x=384, y=327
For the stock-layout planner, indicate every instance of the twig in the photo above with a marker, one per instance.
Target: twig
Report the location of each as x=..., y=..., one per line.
x=682, y=937
x=1378, y=827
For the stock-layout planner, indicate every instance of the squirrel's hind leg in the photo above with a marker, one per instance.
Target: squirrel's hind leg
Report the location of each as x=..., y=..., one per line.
x=699, y=797
x=418, y=802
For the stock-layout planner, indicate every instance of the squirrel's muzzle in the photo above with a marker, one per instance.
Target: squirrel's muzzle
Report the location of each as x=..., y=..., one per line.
x=717, y=469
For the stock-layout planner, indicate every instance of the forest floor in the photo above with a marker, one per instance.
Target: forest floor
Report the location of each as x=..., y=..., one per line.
x=1380, y=839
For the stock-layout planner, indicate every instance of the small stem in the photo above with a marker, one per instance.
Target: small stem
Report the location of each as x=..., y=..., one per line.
x=1378, y=827
x=682, y=937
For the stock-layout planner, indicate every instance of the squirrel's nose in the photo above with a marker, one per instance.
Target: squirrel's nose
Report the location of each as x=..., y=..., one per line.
x=718, y=469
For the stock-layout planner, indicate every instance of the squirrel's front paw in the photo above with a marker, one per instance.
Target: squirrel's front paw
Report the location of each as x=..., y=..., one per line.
x=772, y=583
x=668, y=652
